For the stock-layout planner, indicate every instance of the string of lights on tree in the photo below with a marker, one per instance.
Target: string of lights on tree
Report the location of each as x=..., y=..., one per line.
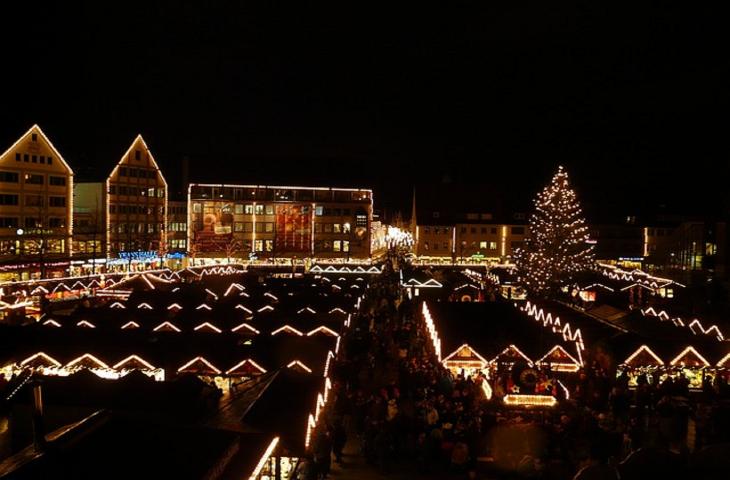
x=558, y=246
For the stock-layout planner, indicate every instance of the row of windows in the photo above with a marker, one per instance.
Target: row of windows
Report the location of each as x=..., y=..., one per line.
x=332, y=228
x=261, y=209
x=88, y=246
x=180, y=243
x=261, y=227
x=33, y=158
x=137, y=172
x=134, y=245
x=437, y=230
x=33, y=200
x=136, y=227
x=29, y=246
x=136, y=191
x=280, y=194
x=659, y=232
x=136, y=209
x=177, y=227
x=483, y=245
x=472, y=230
x=320, y=246
x=32, y=179
x=177, y=210
x=493, y=230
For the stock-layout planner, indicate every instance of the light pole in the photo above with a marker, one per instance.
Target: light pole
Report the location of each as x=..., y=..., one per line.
x=19, y=251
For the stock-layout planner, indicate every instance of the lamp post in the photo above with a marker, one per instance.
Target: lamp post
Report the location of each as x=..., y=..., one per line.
x=19, y=251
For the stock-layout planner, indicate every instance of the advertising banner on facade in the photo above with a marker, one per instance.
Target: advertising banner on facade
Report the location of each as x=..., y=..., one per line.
x=217, y=231
x=293, y=228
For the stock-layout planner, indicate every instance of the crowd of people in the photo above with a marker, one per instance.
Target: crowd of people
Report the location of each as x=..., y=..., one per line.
x=407, y=412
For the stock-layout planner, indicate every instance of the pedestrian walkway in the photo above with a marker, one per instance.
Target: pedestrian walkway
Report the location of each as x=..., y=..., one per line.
x=355, y=467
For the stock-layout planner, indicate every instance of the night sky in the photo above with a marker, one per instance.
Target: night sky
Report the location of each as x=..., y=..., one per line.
x=632, y=99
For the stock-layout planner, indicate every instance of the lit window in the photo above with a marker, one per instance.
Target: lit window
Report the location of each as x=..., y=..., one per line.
x=345, y=245
x=259, y=209
x=248, y=209
x=345, y=228
x=336, y=246
x=483, y=245
x=336, y=227
x=319, y=210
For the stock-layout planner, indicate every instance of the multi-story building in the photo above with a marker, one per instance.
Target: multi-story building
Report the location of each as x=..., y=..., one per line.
x=442, y=234
x=177, y=226
x=36, y=204
x=468, y=242
x=136, y=203
x=253, y=221
x=618, y=240
x=89, y=218
x=483, y=237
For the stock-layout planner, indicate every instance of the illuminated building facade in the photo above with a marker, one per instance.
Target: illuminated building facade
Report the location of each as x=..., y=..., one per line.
x=449, y=225
x=250, y=221
x=136, y=203
x=472, y=242
x=36, y=205
x=177, y=226
x=89, y=216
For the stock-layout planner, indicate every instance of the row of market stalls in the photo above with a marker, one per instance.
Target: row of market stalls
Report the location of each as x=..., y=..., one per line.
x=266, y=342
x=639, y=344
x=299, y=318
x=521, y=360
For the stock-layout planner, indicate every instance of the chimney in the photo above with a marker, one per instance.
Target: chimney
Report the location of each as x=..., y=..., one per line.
x=39, y=434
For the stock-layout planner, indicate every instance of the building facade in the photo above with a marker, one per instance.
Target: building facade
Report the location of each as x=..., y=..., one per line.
x=469, y=242
x=36, y=204
x=89, y=216
x=136, y=206
x=249, y=221
x=177, y=226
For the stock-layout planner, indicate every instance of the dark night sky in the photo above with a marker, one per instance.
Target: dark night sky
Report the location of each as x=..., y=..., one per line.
x=633, y=99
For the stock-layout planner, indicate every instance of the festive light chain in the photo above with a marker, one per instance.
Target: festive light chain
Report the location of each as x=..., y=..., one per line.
x=331, y=269
x=679, y=360
x=432, y=331
x=694, y=326
x=566, y=331
x=636, y=276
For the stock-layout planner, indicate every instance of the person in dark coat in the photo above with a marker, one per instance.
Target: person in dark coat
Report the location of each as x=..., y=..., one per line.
x=339, y=438
x=323, y=454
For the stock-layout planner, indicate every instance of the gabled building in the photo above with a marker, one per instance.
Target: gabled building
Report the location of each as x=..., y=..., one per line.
x=125, y=214
x=36, y=205
x=136, y=203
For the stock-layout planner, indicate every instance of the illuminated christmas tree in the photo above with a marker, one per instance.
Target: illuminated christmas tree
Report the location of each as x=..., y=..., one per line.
x=557, y=247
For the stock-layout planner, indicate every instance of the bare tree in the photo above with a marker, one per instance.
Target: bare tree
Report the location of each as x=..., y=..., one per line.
x=232, y=247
